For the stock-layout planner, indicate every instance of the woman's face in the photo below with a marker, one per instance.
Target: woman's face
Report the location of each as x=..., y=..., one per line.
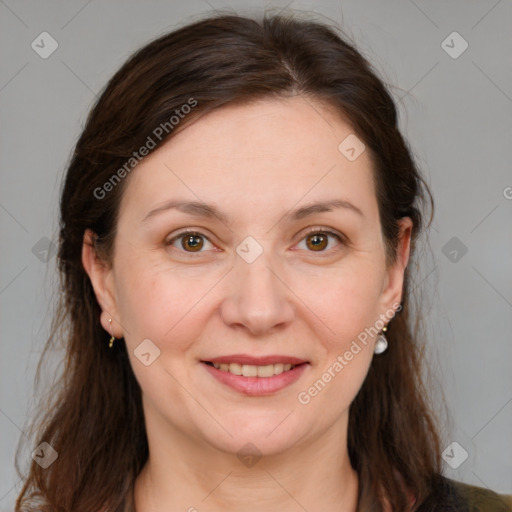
x=266, y=277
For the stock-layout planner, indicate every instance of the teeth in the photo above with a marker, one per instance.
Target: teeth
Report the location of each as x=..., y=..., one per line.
x=234, y=368
x=265, y=371
x=248, y=370
x=278, y=368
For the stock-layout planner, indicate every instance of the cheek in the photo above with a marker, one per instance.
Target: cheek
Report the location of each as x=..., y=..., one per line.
x=336, y=387
x=346, y=354
x=346, y=303
x=160, y=303
x=345, y=299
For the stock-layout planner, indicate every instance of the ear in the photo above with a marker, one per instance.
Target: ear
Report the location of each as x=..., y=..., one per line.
x=391, y=294
x=101, y=275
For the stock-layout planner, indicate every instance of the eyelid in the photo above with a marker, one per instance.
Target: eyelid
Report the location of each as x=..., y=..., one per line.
x=185, y=231
x=324, y=229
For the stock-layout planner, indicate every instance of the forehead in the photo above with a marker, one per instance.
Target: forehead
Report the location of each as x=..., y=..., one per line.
x=269, y=152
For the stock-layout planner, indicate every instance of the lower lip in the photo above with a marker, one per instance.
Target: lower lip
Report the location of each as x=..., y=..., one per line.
x=257, y=386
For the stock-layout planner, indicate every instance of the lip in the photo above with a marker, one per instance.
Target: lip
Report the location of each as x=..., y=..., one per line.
x=256, y=361
x=257, y=386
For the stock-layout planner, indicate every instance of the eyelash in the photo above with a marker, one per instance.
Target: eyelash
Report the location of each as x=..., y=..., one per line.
x=325, y=231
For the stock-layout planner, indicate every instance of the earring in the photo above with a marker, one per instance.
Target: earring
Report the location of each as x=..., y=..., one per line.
x=112, y=339
x=382, y=343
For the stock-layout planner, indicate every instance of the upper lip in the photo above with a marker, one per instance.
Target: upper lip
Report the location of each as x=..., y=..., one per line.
x=255, y=361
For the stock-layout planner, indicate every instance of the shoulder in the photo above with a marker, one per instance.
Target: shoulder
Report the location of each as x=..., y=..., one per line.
x=482, y=499
x=451, y=495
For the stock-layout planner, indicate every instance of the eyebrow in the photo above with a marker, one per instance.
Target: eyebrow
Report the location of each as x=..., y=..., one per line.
x=200, y=209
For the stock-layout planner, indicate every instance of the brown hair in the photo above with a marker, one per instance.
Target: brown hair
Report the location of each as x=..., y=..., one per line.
x=93, y=416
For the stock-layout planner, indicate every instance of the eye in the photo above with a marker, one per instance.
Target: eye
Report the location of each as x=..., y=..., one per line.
x=317, y=240
x=189, y=241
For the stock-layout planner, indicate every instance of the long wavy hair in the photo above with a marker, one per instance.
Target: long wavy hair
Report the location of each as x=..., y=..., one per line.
x=92, y=415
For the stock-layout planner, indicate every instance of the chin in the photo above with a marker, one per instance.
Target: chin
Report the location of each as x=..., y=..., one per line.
x=265, y=440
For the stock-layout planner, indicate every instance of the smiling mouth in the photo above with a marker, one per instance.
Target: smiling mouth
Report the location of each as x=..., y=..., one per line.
x=248, y=370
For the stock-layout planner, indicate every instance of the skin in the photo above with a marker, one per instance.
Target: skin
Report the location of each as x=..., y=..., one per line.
x=256, y=163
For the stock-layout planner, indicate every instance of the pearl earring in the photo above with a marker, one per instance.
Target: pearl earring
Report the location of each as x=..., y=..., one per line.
x=382, y=343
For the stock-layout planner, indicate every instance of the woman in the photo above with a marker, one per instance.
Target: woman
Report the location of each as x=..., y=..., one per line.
x=236, y=226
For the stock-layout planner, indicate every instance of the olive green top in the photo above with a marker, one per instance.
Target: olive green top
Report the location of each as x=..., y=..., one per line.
x=449, y=496
x=478, y=499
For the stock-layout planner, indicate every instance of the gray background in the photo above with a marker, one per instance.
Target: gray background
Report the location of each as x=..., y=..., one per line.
x=456, y=112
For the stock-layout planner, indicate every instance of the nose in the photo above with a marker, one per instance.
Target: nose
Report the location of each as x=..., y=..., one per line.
x=258, y=299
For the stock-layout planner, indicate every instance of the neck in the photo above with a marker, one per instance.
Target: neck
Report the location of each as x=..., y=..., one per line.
x=183, y=474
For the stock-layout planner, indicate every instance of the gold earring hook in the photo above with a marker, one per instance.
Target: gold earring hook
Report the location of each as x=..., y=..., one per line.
x=112, y=339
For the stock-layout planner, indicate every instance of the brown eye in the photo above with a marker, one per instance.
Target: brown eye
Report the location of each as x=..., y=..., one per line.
x=192, y=243
x=321, y=241
x=317, y=241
